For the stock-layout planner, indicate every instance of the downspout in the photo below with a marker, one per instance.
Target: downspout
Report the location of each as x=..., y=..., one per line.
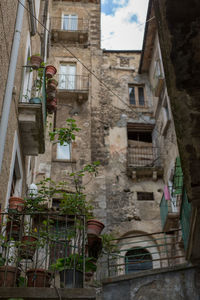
x=10, y=80
x=32, y=19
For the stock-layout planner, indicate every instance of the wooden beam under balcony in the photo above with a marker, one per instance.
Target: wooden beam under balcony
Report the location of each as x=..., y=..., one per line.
x=71, y=37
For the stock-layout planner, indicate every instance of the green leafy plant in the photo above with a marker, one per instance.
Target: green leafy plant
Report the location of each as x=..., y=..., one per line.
x=64, y=134
x=74, y=261
x=109, y=244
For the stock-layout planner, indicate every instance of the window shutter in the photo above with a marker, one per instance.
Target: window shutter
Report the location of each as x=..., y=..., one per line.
x=178, y=177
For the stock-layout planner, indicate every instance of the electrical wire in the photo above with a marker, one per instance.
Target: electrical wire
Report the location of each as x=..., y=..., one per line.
x=138, y=114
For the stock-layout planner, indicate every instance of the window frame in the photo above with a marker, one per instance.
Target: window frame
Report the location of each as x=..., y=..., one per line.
x=67, y=81
x=136, y=93
x=69, y=151
x=16, y=164
x=70, y=18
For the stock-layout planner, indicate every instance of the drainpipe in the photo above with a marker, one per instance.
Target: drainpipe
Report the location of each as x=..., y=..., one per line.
x=10, y=80
x=32, y=19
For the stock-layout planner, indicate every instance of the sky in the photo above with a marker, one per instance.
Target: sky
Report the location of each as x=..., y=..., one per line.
x=122, y=24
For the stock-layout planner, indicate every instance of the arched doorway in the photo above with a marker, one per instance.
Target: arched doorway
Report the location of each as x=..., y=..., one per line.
x=138, y=259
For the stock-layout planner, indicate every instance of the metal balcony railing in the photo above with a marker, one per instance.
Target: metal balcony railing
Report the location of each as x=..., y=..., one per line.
x=31, y=244
x=144, y=157
x=73, y=82
x=69, y=23
x=36, y=88
x=142, y=252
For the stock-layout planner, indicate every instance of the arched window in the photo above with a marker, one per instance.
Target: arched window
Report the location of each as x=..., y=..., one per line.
x=138, y=259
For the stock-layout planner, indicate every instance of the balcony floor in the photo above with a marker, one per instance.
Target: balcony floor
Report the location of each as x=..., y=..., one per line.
x=138, y=172
x=71, y=37
x=79, y=95
x=47, y=293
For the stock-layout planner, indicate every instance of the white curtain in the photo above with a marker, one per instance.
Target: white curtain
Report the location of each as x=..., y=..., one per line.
x=67, y=78
x=70, y=22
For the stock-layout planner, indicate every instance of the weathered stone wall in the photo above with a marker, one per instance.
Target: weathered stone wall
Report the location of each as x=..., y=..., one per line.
x=116, y=199
x=180, y=283
x=178, y=34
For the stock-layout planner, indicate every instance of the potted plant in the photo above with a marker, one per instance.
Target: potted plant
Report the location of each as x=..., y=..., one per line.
x=35, y=61
x=52, y=106
x=13, y=229
x=35, y=100
x=94, y=227
x=38, y=278
x=7, y=274
x=52, y=84
x=50, y=71
x=51, y=94
x=16, y=203
x=28, y=246
x=71, y=268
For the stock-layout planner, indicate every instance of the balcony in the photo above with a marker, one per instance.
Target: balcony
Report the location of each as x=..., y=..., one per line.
x=31, y=245
x=170, y=212
x=144, y=162
x=70, y=29
x=32, y=117
x=75, y=87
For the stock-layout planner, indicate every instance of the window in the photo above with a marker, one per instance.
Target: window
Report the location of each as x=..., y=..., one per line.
x=124, y=62
x=137, y=95
x=157, y=71
x=67, y=77
x=145, y=196
x=165, y=117
x=70, y=22
x=138, y=259
x=27, y=75
x=16, y=179
x=140, y=136
x=63, y=151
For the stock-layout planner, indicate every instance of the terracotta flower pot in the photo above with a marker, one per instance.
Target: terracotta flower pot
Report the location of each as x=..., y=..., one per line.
x=52, y=84
x=38, y=278
x=50, y=71
x=88, y=276
x=51, y=105
x=51, y=94
x=28, y=246
x=16, y=203
x=13, y=230
x=8, y=276
x=94, y=227
x=35, y=61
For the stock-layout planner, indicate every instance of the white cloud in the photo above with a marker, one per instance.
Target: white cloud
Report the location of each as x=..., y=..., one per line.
x=119, y=2
x=117, y=30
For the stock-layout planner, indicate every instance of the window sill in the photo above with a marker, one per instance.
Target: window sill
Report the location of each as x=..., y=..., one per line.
x=64, y=160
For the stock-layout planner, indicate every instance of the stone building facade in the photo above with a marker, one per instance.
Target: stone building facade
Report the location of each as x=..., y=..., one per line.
x=21, y=36
x=120, y=101
x=114, y=105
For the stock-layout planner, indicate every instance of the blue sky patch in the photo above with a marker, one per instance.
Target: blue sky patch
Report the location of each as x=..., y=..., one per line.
x=109, y=7
x=133, y=19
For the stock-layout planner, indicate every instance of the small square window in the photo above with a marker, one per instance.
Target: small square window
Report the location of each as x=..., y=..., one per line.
x=63, y=151
x=145, y=196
